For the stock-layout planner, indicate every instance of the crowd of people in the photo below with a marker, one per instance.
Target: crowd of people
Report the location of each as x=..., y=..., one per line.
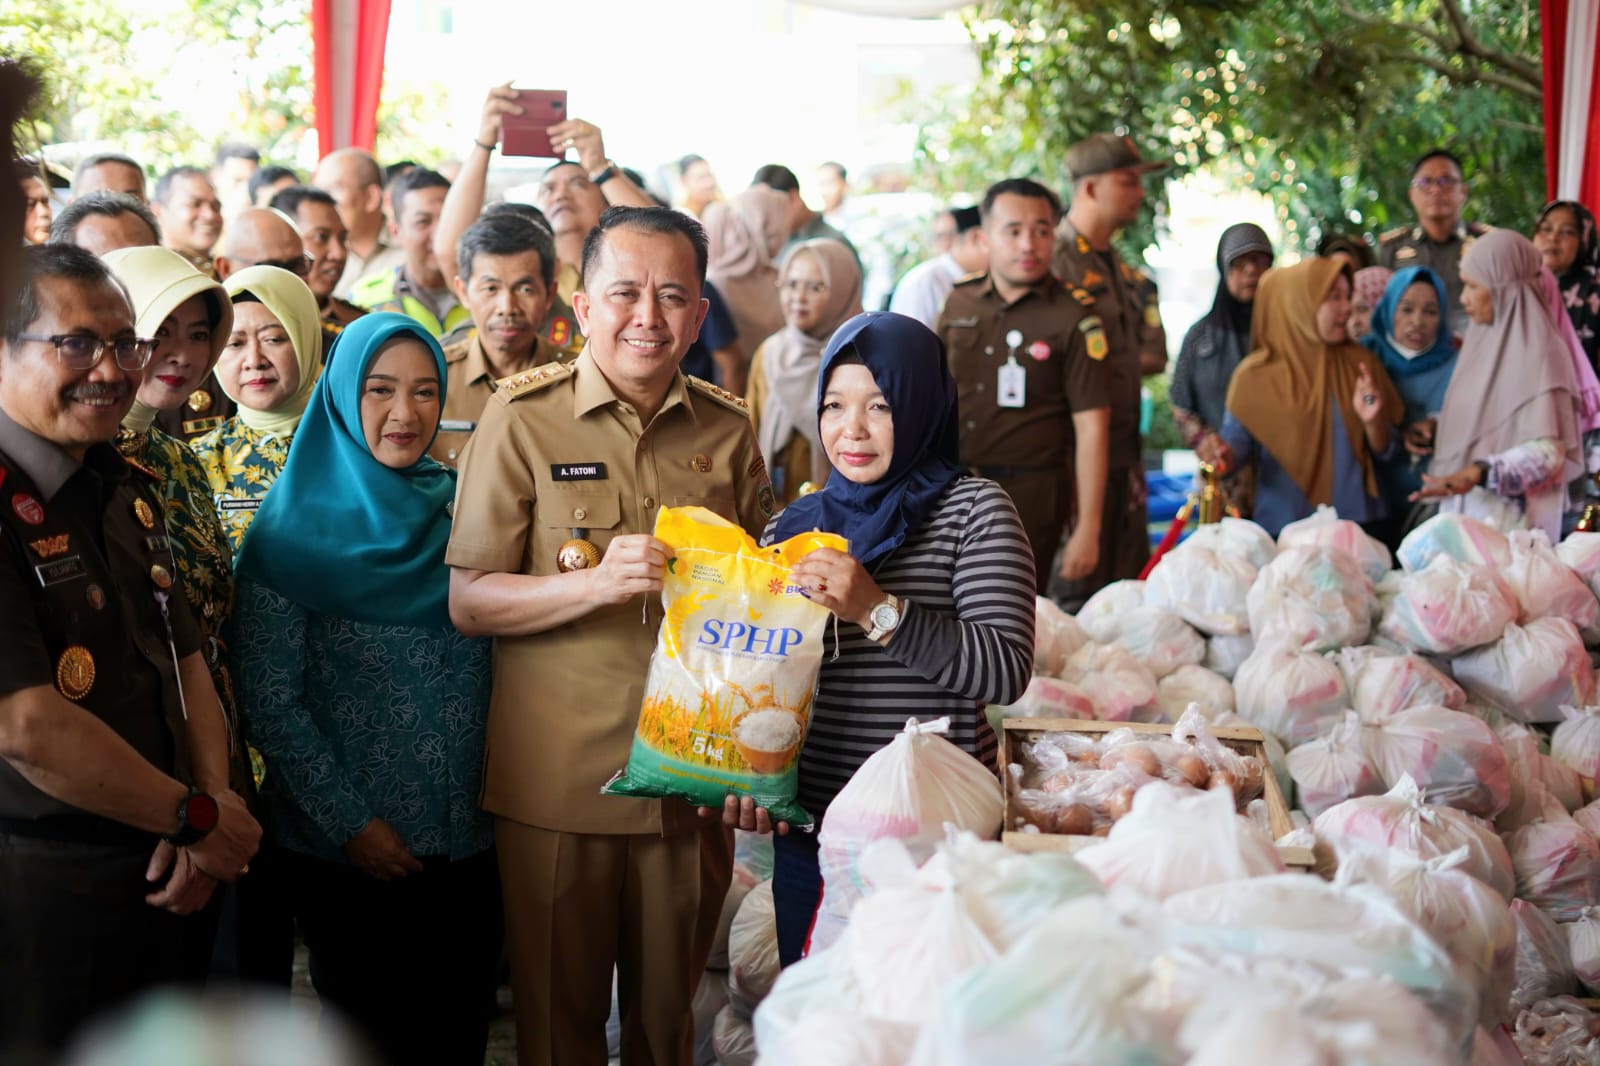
x=402, y=449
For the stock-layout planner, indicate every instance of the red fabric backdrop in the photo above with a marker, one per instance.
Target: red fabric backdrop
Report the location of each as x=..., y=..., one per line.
x=1562, y=47
x=349, y=38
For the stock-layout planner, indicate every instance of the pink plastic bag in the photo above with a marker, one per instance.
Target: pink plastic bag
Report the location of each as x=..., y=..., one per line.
x=1325, y=529
x=1317, y=598
x=1546, y=587
x=1453, y=757
x=1333, y=768
x=1447, y=607
x=1295, y=695
x=1466, y=540
x=1382, y=682
x=1122, y=687
x=1558, y=867
x=1531, y=671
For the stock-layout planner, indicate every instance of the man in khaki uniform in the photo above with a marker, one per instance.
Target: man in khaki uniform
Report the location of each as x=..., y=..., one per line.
x=589, y=452
x=507, y=282
x=1440, y=237
x=1107, y=189
x=1028, y=357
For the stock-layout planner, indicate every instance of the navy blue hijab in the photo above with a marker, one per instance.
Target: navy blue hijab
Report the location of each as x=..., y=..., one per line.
x=907, y=361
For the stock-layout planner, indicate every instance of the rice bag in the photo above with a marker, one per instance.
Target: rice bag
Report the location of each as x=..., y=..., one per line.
x=1122, y=687
x=1098, y=616
x=1546, y=587
x=1212, y=693
x=1238, y=537
x=1159, y=639
x=1544, y=957
x=910, y=790
x=1333, y=768
x=1583, y=937
x=1453, y=757
x=1558, y=866
x=1576, y=741
x=1224, y=655
x=1381, y=682
x=728, y=696
x=1466, y=540
x=1056, y=635
x=1317, y=598
x=1325, y=529
x=1447, y=607
x=1207, y=589
x=1294, y=694
x=1531, y=671
x=1401, y=819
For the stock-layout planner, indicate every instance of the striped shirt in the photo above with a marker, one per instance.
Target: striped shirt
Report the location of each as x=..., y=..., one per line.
x=965, y=581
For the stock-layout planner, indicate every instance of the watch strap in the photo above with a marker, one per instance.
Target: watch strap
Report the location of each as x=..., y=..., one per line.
x=604, y=174
x=878, y=632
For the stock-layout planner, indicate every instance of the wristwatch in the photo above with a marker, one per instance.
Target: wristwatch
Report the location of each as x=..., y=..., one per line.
x=197, y=816
x=885, y=617
x=604, y=174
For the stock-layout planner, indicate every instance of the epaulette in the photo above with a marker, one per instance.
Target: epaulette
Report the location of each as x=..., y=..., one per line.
x=530, y=381
x=1393, y=235
x=1082, y=296
x=145, y=470
x=722, y=396
x=456, y=344
x=976, y=275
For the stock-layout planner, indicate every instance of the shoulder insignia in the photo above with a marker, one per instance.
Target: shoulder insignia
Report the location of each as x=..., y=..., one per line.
x=1407, y=252
x=722, y=396
x=968, y=279
x=455, y=346
x=1081, y=244
x=139, y=466
x=1082, y=296
x=1090, y=278
x=1395, y=234
x=531, y=381
x=1132, y=273
x=1094, y=337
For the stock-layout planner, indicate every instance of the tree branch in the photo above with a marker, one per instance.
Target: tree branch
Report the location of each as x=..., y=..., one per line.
x=1470, y=45
x=1465, y=77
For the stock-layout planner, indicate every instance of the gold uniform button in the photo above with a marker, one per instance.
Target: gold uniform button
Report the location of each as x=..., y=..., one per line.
x=649, y=502
x=452, y=453
x=579, y=513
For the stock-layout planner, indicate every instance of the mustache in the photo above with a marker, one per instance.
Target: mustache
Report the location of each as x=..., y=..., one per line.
x=96, y=390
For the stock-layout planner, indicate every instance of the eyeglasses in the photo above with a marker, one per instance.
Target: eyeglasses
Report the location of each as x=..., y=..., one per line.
x=1442, y=184
x=299, y=266
x=82, y=351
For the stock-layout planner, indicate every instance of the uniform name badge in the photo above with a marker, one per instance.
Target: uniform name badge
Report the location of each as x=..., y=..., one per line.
x=1012, y=387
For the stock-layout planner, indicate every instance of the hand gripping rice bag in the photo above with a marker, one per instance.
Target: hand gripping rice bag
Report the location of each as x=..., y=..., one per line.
x=728, y=697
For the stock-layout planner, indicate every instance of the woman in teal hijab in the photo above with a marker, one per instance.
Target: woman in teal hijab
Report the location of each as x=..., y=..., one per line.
x=369, y=707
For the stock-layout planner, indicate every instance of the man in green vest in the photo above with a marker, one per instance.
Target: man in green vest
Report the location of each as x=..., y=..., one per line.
x=417, y=287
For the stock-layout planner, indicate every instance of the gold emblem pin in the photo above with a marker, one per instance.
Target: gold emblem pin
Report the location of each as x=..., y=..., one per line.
x=199, y=400
x=702, y=463
x=142, y=511
x=97, y=597
x=576, y=554
x=160, y=576
x=75, y=672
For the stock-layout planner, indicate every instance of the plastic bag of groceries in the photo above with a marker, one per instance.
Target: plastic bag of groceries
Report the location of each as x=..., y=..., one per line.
x=1558, y=866
x=1100, y=613
x=1557, y=1032
x=1531, y=671
x=909, y=790
x=733, y=1038
x=1208, y=589
x=1447, y=607
x=1401, y=819
x=1056, y=635
x=817, y=983
x=1325, y=529
x=1466, y=917
x=1122, y=687
x=1238, y=537
x=1538, y=783
x=1224, y=655
x=1454, y=758
x=1583, y=937
x=1544, y=957
x=1211, y=692
x=1581, y=553
x=1333, y=768
x=1177, y=839
x=1007, y=892
x=1546, y=587
x=1317, y=598
x=753, y=949
x=1381, y=682
x=842, y=1038
x=1159, y=639
x=727, y=700
x=1294, y=694
x=1466, y=540
x=1589, y=817
x=1576, y=741
x=1047, y=697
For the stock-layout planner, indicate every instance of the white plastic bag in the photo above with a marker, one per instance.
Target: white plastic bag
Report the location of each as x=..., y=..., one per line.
x=1544, y=958
x=841, y=1038
x=1006, y=892
x=1583, y=937
x=908, y=790
x=1317, y=598
x=1589, y=817
x=1538, y=782
x=1546, y=587
x=1453, y=757
x=1447, y=607
x=753, y=949
x=1333, y=768
x=1208, y=589
x=1294, y=694
x=1382, y=682
x=1047, y=697
x=1099, y=614
x=733, y=1038
x=1224, y=655
x=1212, y=693
x=1122, y=687
x=1160, y=639
x=1238, y=537
x=1531, y=671
x=1056, y=635
x=1576, y=741
x=1558, y=866
x=1466, y=540
x=1325, y=529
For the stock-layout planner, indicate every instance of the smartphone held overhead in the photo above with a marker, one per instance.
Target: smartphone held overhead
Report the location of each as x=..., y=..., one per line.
x=528, y=134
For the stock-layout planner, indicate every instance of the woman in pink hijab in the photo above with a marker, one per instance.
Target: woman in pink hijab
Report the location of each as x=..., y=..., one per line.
x=1510, y=432
x=744, y=238
x=1366, y=293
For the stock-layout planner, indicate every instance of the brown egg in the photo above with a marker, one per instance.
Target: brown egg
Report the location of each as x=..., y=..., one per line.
x=1120, y=803
x=1250, y=778
x=1074, y=819
x=1193, y=769
x=1225, y=779
x=1138, y=756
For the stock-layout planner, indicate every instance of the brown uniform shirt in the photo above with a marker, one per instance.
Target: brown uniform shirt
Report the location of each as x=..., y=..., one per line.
x=1125, y=301
x=1411, y=246
x=206, y=408
x=1062, y=350
x=557, y=451
x=469, y=385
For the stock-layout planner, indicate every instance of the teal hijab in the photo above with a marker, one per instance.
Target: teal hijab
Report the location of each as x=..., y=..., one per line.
x=340, y=533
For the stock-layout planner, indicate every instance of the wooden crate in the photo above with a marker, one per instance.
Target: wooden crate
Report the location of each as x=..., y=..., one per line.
x=1243, y=739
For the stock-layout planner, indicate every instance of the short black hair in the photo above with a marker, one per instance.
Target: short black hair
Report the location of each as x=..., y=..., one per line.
x=89, y=162
x=237, y=150
x=688, y=161
x=40, y=261
x=414, y=180
x=837, y=168
x=518, y=209
x=965, y=218
x=651, y=220
x=164, y=184
x=1033, y=190
x=1355, y=247
x=1439, y=153
x=505, y=234
x=399, y=169
x=64, y=229
x=289, y=200
x=266, y=176
x=777, y=176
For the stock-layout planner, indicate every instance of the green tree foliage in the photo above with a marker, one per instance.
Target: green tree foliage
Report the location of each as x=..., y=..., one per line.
x=1321, y=104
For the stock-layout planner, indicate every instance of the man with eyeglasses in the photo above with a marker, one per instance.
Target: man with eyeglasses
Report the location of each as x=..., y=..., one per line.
x=116, y=820
x=1440, y=237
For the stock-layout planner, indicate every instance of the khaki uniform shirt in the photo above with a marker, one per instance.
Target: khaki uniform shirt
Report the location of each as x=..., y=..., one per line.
x=1062, y=351
x=1410, y=246
x=557, y=452
x=469, y=385
x=1125, y=301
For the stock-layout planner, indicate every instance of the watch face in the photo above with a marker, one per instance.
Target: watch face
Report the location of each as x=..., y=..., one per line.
x=201, y=812
x=884, y=616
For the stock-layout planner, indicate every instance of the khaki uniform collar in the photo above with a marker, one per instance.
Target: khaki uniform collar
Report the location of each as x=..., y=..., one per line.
x=475, y=363
x=591, y=390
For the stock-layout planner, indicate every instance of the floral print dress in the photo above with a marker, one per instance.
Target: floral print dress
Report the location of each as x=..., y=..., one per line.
x=240, y=465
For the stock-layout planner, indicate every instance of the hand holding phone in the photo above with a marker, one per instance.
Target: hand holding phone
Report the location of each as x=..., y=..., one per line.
x=528, y=134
